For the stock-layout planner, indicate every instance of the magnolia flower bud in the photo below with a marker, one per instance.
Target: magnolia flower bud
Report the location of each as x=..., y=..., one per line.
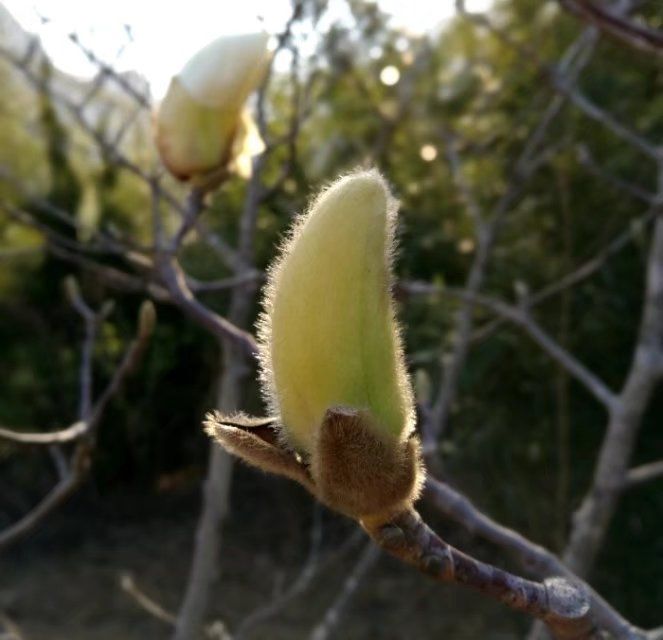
x=328, y=336
x=201, y=126
x=332, y=362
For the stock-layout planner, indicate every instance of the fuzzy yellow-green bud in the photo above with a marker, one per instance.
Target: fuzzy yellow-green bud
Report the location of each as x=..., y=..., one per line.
x=332, y=363
x=328, y=336
x=202, y=127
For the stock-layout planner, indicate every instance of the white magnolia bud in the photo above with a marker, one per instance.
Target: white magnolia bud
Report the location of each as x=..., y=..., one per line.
x=202, y=127
x=332, y=361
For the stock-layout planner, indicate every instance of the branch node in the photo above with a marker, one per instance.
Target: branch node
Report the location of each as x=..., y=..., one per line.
x=569, y=608
x=436, y=565
x=392, y=538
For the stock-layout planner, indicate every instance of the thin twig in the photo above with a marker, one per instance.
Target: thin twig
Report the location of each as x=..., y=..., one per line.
x=579, y=273
x=91, y=414
x=72, y=432
x=572, y=63
x=521, y=318
x=58, y=495
x=107, y=71
x=129, y=586
x=644, y=473
x=529, y=54
x=591, y=520
x=330, y=621
x=626, y=31
x=175, y=281
x=635, y=191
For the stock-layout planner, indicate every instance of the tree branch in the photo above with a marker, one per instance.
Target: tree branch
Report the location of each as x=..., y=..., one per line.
x=644, y=473
x=72, y=432
x=574, y=60
x=532, y=557
x=626, y=31
x=297, y=586
x=591, y=520
x=368, y=558
x=581, y=272
x=521, y=318
x=562, y=606
x=81, y=432
x=557, y=81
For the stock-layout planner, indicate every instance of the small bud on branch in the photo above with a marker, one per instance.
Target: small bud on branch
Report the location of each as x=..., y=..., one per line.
x=331, y=359
x=202, y=129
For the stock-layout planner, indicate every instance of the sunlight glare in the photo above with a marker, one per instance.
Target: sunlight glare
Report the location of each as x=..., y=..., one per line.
x=156, y=39
x=428, y=153
x=390, y=75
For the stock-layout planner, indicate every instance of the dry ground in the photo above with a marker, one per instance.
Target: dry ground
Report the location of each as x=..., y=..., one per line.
x=63, y=583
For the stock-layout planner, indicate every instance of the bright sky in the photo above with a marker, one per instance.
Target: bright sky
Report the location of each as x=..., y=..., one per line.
x=156, y=37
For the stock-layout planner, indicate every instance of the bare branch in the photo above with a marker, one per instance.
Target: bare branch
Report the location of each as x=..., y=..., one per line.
x=626, y=31
x=59, y=494
x=581, y=272
x=655, y=634
x=591, y=520
x=561, y=605
x=521, y=318
x=129, y=586
x=251, y=277
x=644, y=473
x=175, y=281
x=195, y=203
x=127, y=366
x=107, y=71
x=594, y=264
x=576, y=57
x=528, y=54
x=72, y=477
x=76, y=111
x=610, y=122
x=91, y=323
x=215, y=242
x=532, y=557
x=115, y=278
x=635, y=191
x=72, y=432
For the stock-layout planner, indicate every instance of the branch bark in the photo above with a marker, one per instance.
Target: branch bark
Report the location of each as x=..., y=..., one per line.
x=532, y=557
x=562, y=606
x=591, y=521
